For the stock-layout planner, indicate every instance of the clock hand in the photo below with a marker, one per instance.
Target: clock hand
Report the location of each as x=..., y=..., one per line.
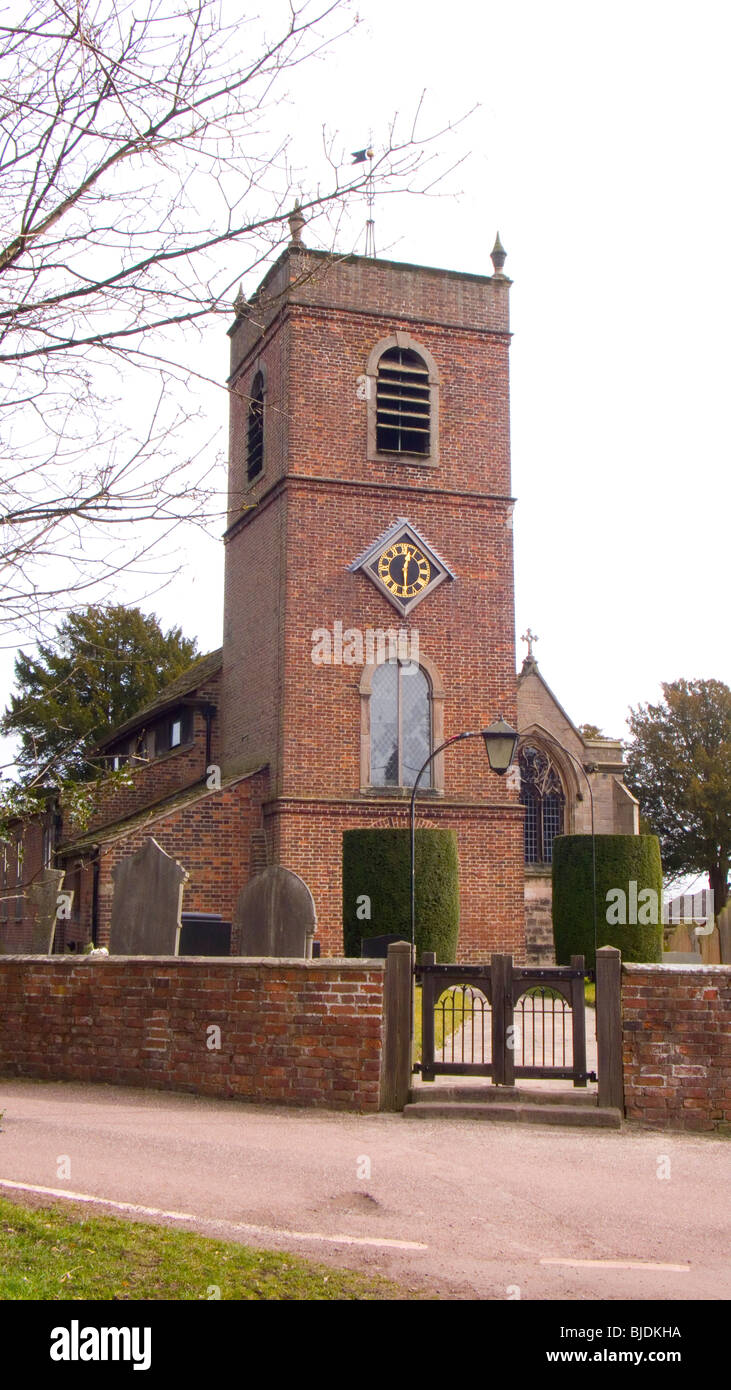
x=407, y=557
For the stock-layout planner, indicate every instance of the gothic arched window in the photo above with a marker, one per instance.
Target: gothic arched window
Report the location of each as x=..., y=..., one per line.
x=401, y=725
x=255, y=432
x=542, y=795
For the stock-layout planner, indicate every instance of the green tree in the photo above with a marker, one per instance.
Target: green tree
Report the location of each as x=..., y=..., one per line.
x=679, y=766
x=104, y=664
x=590, y=731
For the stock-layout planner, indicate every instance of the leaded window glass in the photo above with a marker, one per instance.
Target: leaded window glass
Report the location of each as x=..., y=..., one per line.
x=400, y=725
x=542, y=795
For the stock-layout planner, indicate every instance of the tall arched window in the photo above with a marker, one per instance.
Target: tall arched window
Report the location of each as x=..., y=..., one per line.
x=255, y=432
x=401, y=725
x=542, y=795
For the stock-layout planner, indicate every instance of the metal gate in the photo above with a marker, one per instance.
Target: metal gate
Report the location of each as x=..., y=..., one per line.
x=503, y=1021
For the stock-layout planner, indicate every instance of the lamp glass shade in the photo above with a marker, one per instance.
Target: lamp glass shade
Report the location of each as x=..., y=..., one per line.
x=500, y=744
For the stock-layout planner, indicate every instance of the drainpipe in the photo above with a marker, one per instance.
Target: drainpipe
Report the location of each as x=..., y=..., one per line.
x=95, y=898
x=209, y=711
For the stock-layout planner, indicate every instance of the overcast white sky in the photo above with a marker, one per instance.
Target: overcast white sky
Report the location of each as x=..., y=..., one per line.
x=600, y=151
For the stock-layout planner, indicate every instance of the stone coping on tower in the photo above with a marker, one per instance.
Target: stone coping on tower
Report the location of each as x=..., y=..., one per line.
x=396, y=290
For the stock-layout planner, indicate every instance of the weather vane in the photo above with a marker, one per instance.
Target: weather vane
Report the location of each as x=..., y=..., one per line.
x=360, y=157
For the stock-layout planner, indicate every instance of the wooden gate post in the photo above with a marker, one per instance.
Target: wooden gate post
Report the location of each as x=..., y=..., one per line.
x=503, y=1055
x=578, y=1019
x=428, y=1000
x=397, y=1042
x=609, y=1027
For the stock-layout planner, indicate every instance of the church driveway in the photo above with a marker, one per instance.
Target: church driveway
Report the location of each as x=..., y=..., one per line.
x=465, y=1208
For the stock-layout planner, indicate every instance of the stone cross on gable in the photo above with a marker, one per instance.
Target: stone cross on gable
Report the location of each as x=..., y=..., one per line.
x=530, y=638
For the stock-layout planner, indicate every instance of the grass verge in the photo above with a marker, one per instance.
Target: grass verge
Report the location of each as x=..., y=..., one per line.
x=48, y=1255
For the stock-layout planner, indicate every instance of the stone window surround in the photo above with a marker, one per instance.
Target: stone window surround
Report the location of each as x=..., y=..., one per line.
x=402, y=340
x=436, y=687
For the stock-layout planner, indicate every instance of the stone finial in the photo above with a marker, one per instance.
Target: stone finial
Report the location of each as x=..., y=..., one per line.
x=530, y=638
x=498, y=255
x=240, y=302
x=296, y=222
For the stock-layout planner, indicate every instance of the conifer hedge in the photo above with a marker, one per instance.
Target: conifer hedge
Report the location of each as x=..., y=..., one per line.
x=376, y=864
x=621, y=860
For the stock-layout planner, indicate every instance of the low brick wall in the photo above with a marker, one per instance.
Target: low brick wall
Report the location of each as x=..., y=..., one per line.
x=677, y=1045
x=291, y=1031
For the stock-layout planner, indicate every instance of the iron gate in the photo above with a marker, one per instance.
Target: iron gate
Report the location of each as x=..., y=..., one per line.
x=503, y=1021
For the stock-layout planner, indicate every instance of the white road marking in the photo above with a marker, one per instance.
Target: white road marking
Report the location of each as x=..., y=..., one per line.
x=101, y=1201
x=618, y=1264
x=278, y=1232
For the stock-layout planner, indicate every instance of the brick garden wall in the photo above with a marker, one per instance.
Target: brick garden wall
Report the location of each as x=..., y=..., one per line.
x=292, y=1032
x=677, y=1045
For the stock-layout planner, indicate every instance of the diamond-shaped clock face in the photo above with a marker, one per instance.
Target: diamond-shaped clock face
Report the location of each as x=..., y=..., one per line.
x=403, y=566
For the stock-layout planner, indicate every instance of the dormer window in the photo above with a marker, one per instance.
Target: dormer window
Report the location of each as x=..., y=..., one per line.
x=402, y=393
x=255, y=432
x=174, y=732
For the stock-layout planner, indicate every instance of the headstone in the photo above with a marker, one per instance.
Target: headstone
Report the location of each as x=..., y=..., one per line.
x=275, y=916
x=204, y=934
x=43, y=902
x=376, y=947
x=148, y=897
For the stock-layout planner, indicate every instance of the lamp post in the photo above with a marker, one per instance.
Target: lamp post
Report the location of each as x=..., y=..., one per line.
x=500, y=743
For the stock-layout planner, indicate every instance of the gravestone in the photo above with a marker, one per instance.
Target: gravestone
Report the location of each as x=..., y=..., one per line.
x=148, y=897
x=42, y=896
x=376, y=947
x=204, y=934
x=275, y=916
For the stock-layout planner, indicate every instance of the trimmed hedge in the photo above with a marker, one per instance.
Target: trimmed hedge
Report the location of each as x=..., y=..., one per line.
x=377, y=863
x=621, y=860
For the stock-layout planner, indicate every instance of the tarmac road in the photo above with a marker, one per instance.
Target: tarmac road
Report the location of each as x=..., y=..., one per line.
x=464, y=1208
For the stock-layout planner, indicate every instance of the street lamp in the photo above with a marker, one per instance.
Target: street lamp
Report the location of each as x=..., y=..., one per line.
x=500, y=743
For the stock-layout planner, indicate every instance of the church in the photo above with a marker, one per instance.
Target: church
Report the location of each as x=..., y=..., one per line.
x=368, y=616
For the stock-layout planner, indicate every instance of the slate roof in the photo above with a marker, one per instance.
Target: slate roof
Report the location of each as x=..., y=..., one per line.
x=152, y=812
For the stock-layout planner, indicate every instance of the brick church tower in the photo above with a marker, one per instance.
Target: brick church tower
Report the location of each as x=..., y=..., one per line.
x=369, y=493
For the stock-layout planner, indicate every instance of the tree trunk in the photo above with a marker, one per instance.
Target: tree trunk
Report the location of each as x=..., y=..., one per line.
x=718, y=879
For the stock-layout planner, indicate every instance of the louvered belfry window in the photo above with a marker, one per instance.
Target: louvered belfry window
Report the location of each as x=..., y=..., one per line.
x=255, y=436
x=402, y=403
